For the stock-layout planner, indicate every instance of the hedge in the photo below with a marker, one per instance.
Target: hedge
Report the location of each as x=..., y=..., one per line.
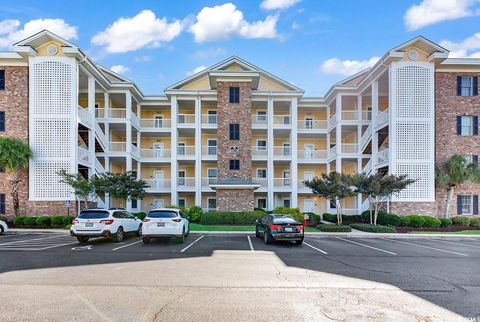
x=373, y=228
x=195, y=213
x=416, y=221
x=461, y=221
x=383, y=218
x=231, y=217
x=475, y=222
x=30, y=221
x=334, y=228
x=18, y=221
x=312, y=216
x=294, y=212
x=431, y=222
x=445, y=222
x=346, y=219
x=57, y=221
x=43, y=221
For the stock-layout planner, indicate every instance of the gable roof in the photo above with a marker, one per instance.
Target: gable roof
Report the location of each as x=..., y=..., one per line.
x=41, y=37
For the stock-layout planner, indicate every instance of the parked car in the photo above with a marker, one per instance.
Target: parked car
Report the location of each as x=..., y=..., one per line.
x=165, y=222
x=3, y=227
x=279, y=227
x=113, y=222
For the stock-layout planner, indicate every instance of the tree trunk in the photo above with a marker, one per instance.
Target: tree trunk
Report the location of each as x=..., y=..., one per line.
x=15, y=184
x=371, y=214
x=339, y=212
x=448, y=202
x=376, y=214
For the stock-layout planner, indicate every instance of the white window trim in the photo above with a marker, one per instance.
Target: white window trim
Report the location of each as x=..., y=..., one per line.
x=471, y=206
x=258, y=198
x=257, y=146
x=462, y=117
x=256, y=173
x=470, y=91
x=208, y=169
x=184, y=201
x=208, y=201
x=257, y=114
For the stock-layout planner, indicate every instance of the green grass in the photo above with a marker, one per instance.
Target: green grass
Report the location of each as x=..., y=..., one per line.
x=198, y=227
x=462, y=232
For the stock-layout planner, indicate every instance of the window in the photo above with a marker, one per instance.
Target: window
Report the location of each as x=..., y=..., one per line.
x=332, y=205
x=261, y=116
x=212, y=175
x=471, y=158
x=212, y=203
x=261, y=145
x=234, y=164
x=234, y=131
x=465, y=205
x=467, y=125
x=2, y=121
x=262, y=203
x=467, y=86
x=2, y=203
x=2, y=79
x=212, y=147
x=234, y=95
x=134, y=203
x=261, y=173
x=286, y=203
x=212, y=117
x=181, y=202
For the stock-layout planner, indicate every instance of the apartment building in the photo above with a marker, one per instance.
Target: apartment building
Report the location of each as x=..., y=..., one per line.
x=234, y=136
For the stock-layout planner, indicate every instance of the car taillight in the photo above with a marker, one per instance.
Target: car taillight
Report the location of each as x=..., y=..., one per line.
x=75, y=221
x=177, y=220
x=299, y=227
x=146, y=220
x=107, y=221
x=274, y=227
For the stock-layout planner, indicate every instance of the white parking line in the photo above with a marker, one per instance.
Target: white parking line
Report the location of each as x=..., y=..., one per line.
x=138, y=241
x=427, y=247
x=368, y=246
x=317, y=249
x=461, y=244
x=57, y=246
x=27, y=240
x=196, y=240
x=250, y=243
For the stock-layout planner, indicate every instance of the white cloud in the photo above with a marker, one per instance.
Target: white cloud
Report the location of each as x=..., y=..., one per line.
x=278, y=4
x=336, y=66
x=432, y=11
x=223, y=21
x=119, y=69
x=296, y=25
x=144, y=29
x=208, y=53
x=463, y=48
x=196, y=70
x=11, y=32
x=142, y=59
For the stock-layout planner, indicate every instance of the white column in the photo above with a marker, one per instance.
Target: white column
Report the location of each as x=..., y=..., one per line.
x=107, y=135
x=91, y=95
x=359, y=196
x=198, y=152
x=174, y=162
x=374, y=123
x=107, y=169
x=338, y=134
x=128, y=105
x=91, y=132
x=270, y=146
x=128, y=125
x=139, y=176
x=293, y=149
x=106, y=102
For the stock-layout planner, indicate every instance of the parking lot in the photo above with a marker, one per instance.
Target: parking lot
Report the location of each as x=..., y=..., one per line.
x=410, y=278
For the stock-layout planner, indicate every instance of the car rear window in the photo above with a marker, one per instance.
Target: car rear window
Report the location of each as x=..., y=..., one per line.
x=162, y=214
x=284, y=220
x=93, y=215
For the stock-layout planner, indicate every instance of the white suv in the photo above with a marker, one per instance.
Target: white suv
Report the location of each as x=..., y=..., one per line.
x=113, y=222
x=3, y=227
x=165, y=222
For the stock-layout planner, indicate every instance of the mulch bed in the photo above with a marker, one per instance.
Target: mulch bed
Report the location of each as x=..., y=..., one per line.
x=439, y=229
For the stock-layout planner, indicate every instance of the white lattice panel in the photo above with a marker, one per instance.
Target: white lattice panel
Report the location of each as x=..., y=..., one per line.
x=52, y=121
x=412, y=108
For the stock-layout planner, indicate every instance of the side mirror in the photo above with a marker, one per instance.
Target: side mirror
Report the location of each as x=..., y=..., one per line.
x=258, y=221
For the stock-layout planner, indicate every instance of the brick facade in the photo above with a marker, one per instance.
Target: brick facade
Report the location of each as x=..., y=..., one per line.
x=235, y=200
x=14, y=102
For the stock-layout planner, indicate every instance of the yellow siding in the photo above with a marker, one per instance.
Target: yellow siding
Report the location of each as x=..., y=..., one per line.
x=150, y=114
x=199, y=84
x=42, y=50
x=148, y=200
x=148, y=143
x=148, y=171
x=319, y=204
x=317, y=115
x=266, y=84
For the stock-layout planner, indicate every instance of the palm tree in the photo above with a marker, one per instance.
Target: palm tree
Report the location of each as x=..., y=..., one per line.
x=14, y=157
x=456, y=171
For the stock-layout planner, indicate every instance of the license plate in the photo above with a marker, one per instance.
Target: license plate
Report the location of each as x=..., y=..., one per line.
x=89, y=224
x=289, y=229
x=160, y=224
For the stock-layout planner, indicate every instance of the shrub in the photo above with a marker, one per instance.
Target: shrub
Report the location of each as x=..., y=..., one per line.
x=259, y=209
x=30, y=221
x=461, y=221
x=334, y=228
x=329, y=217
x=43, y=221
x=404, y=221
x=431, y=222
x=67, y=220
x=294, y=212
x=195, y=213
x=312, y=216
x=373, y=228
x=19, y=221
x=445, y=222
x=57, y=221
x=475, y=222
x=346, y=219
x=416, y=221
x=140, y=215
x=231, y=217
x=386, y=219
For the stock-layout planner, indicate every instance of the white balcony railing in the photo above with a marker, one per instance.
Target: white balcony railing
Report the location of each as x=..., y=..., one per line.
x=135, y=119
x=186, y=151
x=83, y=154
x=263, y=182
x=259, y=120
x=332, y=152
x=118, y=146
x=209, y=119
x=209, y=151
x=332, y=120
x=155, y=153
x=382, y=117
x=158, y=184
x=382, y=157
x=113, y=113
x=99, y=167
x=281, y=119
x=282, y=151
x=85, y=117
x=186, y=182
x=135, y=151
x=312, y=125
x=259, y=151
x=356, y=115
x=349, y=148
x=186, y=119
x=207, y=181
x=99, y=113
x=366, y=137
x=312, y=154
x=368, y=167
x=285, y=183
x=155, y=123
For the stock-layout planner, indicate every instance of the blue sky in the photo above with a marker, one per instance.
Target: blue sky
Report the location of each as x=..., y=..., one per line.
x=311, y=43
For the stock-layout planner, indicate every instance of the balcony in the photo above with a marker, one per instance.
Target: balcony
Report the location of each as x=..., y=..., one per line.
x=207, y=181
x=282, y=121
x=83, y=156
x=282, y=152
x=302, y=188
x=332, y=152
x=306, y=156
x=259, y=153
x=154, y=125
x=186, y=120
x=85, y=117
x=118, y=147
x=186, y=184
x=158, y=185
x=263, y=182
x=186, y=152
x=356, y=115
x=209, y=152
x=312, y=126
x=259, y=121
x=209, y=121
x=282, y=184
x=349, y=148
x=382, y=119
x=111, y=113
x=382, y=158
x=155, y=155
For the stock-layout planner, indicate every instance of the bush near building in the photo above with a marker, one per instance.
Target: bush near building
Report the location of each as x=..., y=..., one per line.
x=461, y=221
x=346, y=219
x=373, y=228
x=294, y=212
x=475, y=222
x=334, y=228
x=231, y=217
x=445, y=222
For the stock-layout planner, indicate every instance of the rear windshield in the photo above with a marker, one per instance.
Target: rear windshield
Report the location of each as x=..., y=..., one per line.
x=162, y=214
x=284, y=220
x=93, y=215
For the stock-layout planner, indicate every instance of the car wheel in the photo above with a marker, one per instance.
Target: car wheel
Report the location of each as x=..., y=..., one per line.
x=299, y=242
x=266, y=237
x=181, y=239
x=139, y=230
x=82, y=239
x=146, y=240
x=119, y=235
x=1, y=230
x=188, y=230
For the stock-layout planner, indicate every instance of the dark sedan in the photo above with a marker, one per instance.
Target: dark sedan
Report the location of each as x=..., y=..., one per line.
x=279, y=227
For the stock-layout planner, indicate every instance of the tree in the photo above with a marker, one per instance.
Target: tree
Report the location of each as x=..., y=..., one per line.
x=455, y=171
x=82, y=188
x=334, y=187
x=121, y=185
x=14, y=157
x=378, y=188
